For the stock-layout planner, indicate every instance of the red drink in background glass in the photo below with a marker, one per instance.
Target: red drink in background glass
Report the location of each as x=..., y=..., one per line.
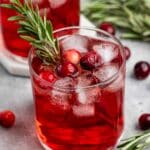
x=74, y=113
x=62, y=13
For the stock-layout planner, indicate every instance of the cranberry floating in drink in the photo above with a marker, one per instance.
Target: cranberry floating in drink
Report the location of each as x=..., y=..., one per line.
x=79, y=102
x=62, y=13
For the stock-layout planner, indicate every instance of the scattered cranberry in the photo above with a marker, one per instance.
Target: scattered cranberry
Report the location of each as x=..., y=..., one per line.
x=108, y=27
x=7, y=119
x=48, y=76
x=72, y=56
x=144, y=121
x=142, y=70
x=90, y=61
x=127, y=52
x=67, y=69
x=36, y=63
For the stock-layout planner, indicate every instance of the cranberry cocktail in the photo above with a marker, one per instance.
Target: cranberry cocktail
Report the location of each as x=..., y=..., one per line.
x=79, y=102
x=62, y=13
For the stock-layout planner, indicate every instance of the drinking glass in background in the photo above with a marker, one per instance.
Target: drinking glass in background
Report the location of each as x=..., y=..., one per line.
x=84, y=112
x=62, y=13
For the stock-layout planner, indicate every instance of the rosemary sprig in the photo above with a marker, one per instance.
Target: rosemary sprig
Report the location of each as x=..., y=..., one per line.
x=138, y=142
x=131, y=15
x=35, y=29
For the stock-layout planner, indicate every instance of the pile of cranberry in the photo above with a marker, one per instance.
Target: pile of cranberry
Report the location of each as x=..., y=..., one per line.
x=141, y=71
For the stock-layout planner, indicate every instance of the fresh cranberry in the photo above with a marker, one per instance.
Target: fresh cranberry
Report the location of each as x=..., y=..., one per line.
x=67, y=69
x=90, y=61
x=144, y=121
x=48, y=76
x=127, y=52
x=108, y=27
x=72, y=56
x=7, y=118
x=142, y=70
x=36, y=63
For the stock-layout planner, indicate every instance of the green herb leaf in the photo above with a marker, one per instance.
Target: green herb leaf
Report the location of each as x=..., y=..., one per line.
x=14, y=18
x=138, y=142
x=134, y=20
x=35, y=29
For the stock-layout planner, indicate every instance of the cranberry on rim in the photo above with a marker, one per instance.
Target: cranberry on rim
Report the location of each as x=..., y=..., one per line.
x=144, y=121
x=67, y=69
x=72, y=55
x=90, y=61
x=7, y=118
x=108, y=27
x=142, y=70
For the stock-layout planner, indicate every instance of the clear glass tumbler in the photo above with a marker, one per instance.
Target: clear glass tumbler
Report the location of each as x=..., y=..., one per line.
x=80, y=113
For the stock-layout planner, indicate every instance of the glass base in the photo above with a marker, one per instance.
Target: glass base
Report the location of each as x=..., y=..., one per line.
x=44, y=146
x=63, y=147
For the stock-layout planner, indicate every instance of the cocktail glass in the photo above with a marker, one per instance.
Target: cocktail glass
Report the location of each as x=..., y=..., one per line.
x=72, y=113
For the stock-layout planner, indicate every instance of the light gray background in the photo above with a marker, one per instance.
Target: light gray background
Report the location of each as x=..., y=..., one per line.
x=15, y=94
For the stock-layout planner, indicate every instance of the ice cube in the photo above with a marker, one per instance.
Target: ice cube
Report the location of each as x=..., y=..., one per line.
x=85, y=79
x=60, y=96
x=106, y=71
x=57, y=3
x=60, y=99
x=78, y=42
x=108, y=51
x=81, y=96
x=66, y=82
x=88, y=96
x=84, y=110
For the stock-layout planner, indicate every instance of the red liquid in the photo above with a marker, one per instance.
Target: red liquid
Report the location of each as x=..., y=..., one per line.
x=62, y=13
x=90, y=119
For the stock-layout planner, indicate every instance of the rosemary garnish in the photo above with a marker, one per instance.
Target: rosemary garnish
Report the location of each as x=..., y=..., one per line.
x=131, y=15
x=35, y=29
x=138, y=142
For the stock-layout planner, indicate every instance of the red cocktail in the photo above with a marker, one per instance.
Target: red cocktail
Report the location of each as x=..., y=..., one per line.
x=62, y=13
x=83, y=111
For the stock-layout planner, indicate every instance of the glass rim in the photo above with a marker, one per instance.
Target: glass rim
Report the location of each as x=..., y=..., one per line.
x=103, y=83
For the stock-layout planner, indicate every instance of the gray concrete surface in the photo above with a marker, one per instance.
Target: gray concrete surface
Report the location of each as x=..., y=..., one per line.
x=15, y=94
